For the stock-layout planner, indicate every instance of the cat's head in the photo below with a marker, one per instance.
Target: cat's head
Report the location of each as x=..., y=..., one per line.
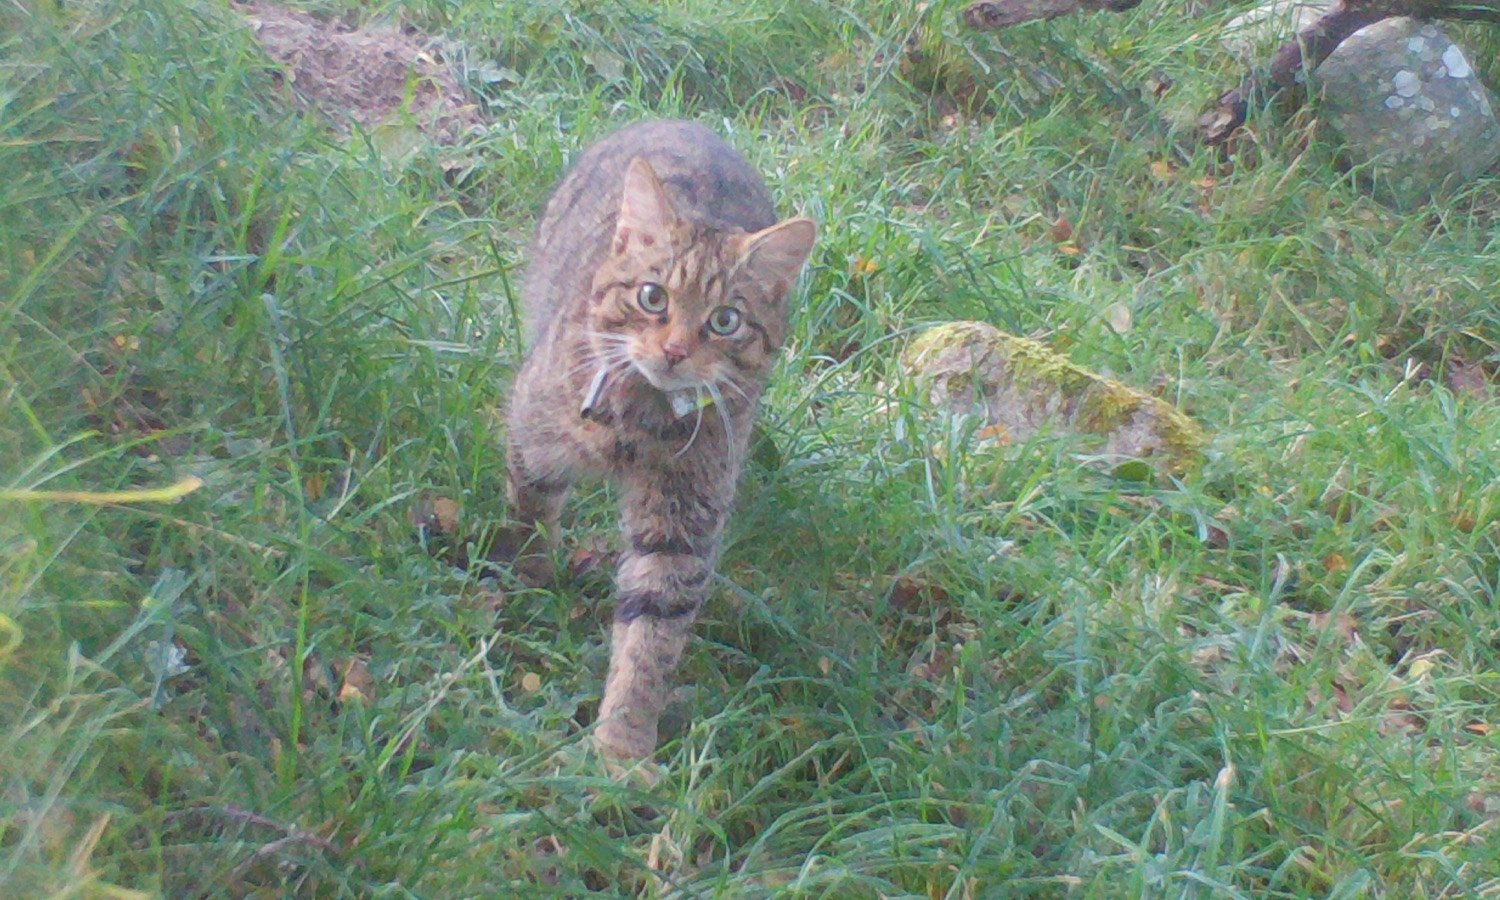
x=690, y=306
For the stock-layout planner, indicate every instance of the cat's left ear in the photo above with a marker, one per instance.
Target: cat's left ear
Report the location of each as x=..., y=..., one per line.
x=776, y=254
x=646, y=213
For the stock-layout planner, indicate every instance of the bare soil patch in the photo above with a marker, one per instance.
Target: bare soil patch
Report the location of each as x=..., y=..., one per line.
x=364, y=75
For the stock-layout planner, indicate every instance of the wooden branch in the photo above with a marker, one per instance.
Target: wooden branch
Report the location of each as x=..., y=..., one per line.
x=1312, y=45
x=993, y=15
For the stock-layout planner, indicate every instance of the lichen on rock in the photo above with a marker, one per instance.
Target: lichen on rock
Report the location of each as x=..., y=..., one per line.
x=1413, y=114
x=1025, y=388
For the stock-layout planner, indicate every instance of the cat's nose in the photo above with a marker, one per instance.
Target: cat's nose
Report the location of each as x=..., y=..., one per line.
x=673, y=353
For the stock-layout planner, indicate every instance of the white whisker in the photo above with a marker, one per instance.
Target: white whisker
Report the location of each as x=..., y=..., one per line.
x=610, y=361
x=730, y=382
x=610, y=338
x=697, y=423
x=713, y=391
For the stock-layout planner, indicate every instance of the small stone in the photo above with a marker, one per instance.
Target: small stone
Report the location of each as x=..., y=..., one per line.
x=1394, y=102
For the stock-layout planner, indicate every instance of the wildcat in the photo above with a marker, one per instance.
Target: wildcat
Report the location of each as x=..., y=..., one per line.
x=656, y=301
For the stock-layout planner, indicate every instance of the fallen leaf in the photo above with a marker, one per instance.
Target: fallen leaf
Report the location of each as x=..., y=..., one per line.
x=1485, y=804
x=1158, y=83
x=1214, y=536
x=1137, y=470
x=1343, y=624
x=911, y=595
x=1061, y=230
x=794, y=91
x=492, y=73
x=1209, y=655
x=435, y=513
x=1341, y=698
x=1162, y=170
x=1467, y=379
x=357, y=684
x=1420, y=667
x=610, y=66
x=315, y=676
x=1400, y=719
x=593, y=554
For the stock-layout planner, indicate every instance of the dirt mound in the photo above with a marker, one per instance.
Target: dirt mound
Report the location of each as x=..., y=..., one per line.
x=364, y=74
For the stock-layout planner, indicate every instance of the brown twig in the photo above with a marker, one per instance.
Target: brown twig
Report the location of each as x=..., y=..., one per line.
x=276, y=846
x=992, y=15
x=292, y=833
x=1312, y=45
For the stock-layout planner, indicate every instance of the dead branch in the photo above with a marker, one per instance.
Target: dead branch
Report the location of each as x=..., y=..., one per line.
x=1312, y=45
x=292, y=833
x=992, y=16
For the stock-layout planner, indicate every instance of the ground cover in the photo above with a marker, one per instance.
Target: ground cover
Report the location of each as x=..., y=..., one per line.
x=935, y=667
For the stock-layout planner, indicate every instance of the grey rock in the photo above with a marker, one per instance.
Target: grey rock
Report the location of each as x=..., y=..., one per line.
x=1414, y=117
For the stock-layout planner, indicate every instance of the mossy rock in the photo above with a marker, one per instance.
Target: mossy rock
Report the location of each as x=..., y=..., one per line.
x=1023, y=388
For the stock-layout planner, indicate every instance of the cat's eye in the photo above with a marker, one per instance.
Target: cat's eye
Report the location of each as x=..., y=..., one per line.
x=724, y=320
x=652, y=297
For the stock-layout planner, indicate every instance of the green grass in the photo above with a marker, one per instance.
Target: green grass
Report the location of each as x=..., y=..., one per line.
x=933, y=670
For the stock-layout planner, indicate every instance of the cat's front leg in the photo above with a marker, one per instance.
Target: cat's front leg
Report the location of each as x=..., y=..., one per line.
x=538, y=475
x=671, y=523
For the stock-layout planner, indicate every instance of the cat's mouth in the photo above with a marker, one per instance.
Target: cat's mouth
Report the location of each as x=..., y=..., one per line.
x=684, y=395
x=667, y=380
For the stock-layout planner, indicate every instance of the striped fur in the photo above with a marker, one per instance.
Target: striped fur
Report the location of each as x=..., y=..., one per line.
x=671, y=204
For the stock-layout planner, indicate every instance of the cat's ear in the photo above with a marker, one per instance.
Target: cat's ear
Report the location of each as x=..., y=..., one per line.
x=776, y=254
x=646, y=212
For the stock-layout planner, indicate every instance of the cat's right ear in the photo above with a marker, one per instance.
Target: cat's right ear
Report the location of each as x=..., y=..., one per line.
x=646, y=213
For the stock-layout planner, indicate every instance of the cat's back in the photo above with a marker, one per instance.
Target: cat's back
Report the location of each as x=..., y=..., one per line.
x=707, y=180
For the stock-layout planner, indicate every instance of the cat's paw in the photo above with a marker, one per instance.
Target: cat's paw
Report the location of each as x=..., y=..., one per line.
x=587, y=756
x=639, y=771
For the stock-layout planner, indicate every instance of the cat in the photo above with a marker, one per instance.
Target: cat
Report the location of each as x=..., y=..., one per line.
x=656, y=294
